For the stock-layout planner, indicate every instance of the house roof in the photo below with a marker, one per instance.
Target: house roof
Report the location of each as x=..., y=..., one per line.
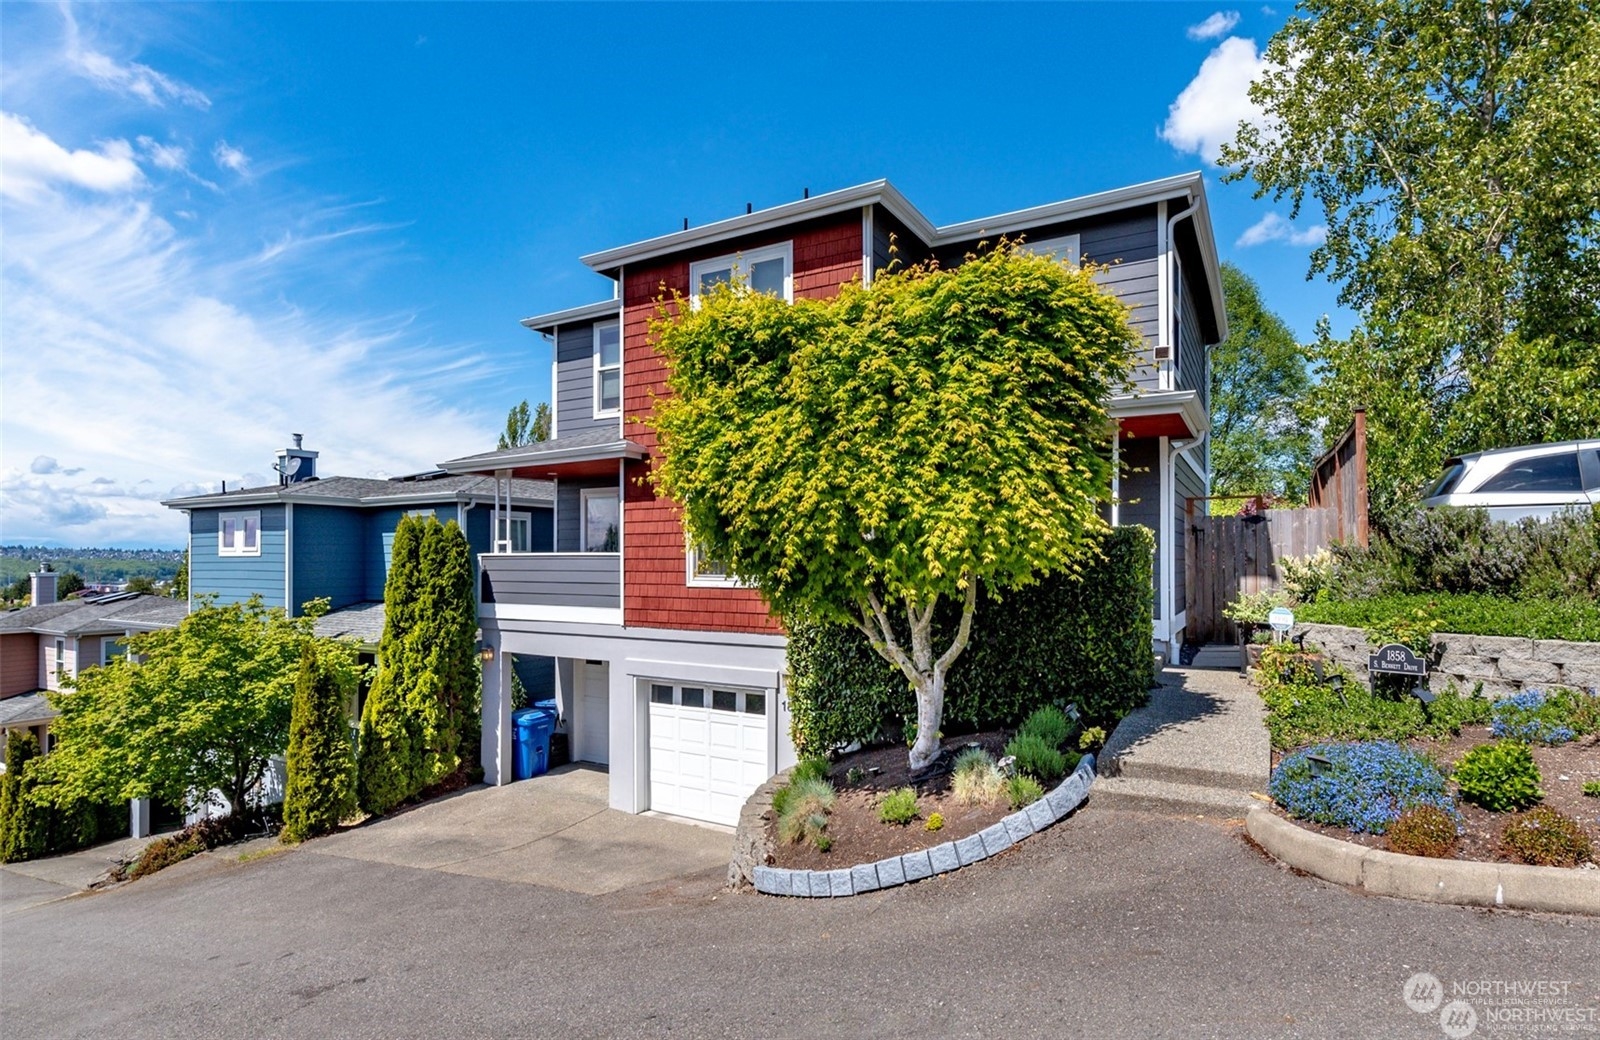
x=434, y=486
x=571, y=315
x=360, y=621
x=1188, y=188
x=118, y=612
x=26, y=709
x=590, y=446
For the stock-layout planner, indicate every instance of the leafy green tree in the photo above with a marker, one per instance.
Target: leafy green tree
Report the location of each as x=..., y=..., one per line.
x=1259, y=443
x=321, y=786
x=863, y=458
x=179, y=589
x=1454, y=150
x=68, y=583
x=21, y=834
x=521, y=429
x=142, y=583
x=191, y=710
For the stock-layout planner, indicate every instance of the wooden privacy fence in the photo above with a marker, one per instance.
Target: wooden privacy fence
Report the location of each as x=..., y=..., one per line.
x=1230, y=555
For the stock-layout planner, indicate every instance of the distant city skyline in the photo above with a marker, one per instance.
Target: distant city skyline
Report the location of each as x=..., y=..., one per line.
x=229, y=223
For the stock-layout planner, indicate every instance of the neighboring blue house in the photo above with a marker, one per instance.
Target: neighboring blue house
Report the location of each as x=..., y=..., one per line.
x=308, y=537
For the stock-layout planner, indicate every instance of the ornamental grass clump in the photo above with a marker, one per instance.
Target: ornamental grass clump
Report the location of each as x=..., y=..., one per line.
x=1501, y=777
x=1533, y=718
x=1425, y=831
x=1038, y=758
x=976, y=779
x=1023, y=791
x=1546, y=838
x=1049, y=724
x=803, y=814
x=899, y=806
x=1364, y=787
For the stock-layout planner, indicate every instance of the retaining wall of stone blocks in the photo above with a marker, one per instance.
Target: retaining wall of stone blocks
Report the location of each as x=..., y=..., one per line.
x=1504, y=664
x=952, y=855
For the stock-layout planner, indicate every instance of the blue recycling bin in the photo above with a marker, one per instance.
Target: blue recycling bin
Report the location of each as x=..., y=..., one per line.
x=530, y=743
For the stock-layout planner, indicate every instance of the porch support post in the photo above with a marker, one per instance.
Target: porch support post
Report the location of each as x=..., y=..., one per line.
x=496, y=731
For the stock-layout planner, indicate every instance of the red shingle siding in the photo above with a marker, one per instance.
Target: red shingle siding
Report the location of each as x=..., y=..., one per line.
x=827, y=254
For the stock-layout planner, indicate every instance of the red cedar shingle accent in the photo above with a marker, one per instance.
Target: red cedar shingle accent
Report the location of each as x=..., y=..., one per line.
x=827, y=254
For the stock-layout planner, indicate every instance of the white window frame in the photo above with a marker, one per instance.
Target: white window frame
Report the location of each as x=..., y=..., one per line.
x=601, y=412
x=693, y=579
x=241, y=521
x=740, y=263
x=523, y=520
x=1062, y=247
x=583, y=515
x=61, y=656
x=106, y=643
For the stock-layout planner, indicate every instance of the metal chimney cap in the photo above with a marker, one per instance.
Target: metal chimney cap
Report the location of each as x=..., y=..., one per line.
x=297, y=439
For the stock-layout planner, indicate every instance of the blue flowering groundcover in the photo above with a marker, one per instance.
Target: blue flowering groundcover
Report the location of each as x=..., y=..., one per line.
x=1531, y=717
x=1365, y=786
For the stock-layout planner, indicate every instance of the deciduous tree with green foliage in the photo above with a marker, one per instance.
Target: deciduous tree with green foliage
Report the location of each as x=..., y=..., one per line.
x=521, y=429
x=868, y=456
x=1259, y=441
x=321, y=785
x=1454, y=150
x=191, y=710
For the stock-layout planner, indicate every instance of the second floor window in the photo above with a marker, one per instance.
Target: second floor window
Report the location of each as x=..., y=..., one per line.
x=602, y=520
x=769, y=269
x=516, y=533
x=607, y=369
x=239, y=534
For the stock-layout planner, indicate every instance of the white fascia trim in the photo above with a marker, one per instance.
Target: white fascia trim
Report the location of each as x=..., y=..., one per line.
x=1073, y=209
x=1161, y=402
x=621, y=449
x=1194, y=467
x=573, y=315
x=259, y=498
x=867, y=245
x=532, y=612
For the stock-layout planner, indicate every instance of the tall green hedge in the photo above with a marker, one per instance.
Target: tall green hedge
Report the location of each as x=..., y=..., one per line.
x=30, y=826
x=321, y=763
x=1085, y=640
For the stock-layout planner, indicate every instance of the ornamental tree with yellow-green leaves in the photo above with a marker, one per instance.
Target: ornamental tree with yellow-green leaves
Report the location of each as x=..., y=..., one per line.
x=862, y=458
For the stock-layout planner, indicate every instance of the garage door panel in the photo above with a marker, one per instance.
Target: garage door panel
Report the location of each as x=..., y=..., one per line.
x=708, y=750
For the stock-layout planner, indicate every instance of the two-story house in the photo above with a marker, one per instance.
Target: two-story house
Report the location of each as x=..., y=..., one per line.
x=308, y=537
x=669, y=672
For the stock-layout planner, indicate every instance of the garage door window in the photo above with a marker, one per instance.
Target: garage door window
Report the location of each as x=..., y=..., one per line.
x=734, y=702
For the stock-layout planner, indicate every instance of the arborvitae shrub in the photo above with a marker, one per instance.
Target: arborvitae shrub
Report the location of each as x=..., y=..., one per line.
x=320, y=790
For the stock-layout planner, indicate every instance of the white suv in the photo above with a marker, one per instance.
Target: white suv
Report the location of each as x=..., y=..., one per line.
x=1512, y=483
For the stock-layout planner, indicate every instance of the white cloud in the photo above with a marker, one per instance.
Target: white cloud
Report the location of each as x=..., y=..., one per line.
x=166, y=156
x=230, y=158
x=35, y=163
x=1218, y=25
x=201, y=362
x=1274, y=228
x=1208, y=112
x=128, y=78
x=43, y=464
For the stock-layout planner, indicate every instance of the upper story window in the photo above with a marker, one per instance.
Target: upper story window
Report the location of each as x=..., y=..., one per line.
x=111, y=648
x=516, y=533
x=607, y=369
x=602, y=520
x=61, y=656
x=769, y=269
x=707, y=572
x=239, y=534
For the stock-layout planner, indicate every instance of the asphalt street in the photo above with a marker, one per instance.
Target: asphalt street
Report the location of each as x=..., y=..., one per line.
x=1113, y=924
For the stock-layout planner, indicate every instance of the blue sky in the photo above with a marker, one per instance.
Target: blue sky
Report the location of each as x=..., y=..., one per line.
x=227, y=223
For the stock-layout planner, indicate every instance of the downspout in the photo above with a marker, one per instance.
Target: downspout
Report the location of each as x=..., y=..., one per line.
x=1170, y=298
x=463, y=507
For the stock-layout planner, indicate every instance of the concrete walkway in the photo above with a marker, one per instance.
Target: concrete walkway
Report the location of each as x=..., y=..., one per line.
x=1199, y=748
x=37, y=881
x=554, y=830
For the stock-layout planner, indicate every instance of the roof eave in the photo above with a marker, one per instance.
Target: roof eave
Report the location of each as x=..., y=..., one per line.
x=513, y=459
x=573, y=315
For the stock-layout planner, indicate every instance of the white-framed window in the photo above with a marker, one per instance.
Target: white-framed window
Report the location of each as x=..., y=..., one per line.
x=607, y=369
x=601, y=530
x=517, y=529
x=769, y=269
x=111, y=648
x=702, y=571
x=1063, y=248
x=423, y=514
x=61, y=656
x=239, y=534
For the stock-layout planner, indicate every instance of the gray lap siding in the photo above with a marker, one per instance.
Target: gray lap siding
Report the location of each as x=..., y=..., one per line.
x=234, y=579
x=574, y=389
x=1141, y=493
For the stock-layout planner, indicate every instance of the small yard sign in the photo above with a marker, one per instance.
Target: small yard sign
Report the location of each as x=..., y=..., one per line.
x=1394, y=659
x=1281, y=619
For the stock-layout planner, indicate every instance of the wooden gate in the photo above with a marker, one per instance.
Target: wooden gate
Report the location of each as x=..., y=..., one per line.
x=1230, y=555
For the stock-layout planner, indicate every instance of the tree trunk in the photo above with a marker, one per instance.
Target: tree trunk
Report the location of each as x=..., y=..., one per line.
x=925, y=673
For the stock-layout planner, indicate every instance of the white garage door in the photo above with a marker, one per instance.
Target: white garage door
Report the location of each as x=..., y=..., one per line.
x=708, y=750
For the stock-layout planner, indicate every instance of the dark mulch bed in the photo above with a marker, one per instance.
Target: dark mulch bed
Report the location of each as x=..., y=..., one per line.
x=1564, y=768
x=858, y=835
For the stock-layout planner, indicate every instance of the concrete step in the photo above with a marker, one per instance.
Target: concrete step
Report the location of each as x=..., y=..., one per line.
x=1201, y=774
x=1123, y=792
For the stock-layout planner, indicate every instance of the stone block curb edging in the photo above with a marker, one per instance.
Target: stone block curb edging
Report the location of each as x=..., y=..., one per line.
x=952, y=855
x=1466, y=882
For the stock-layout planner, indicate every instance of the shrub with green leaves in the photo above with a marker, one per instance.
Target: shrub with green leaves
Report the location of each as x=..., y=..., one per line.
x=1048, y=723
x=1425, y=830
x=1501, y=777
x=1036, y=758
x=803, y=815
x=1023, y=791
x=320, y=788
x=813, y=767
x=21, y=833
x=976, y=780
x=899, y=806
x=1301, y=711
x=1546, y=838
x=935, y=822
x=1572, y=618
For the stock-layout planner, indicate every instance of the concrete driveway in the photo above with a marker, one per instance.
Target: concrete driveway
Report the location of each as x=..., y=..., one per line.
x=554, y=830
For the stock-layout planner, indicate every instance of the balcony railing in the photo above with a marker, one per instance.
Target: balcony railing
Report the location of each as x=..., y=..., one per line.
x=585, y=580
